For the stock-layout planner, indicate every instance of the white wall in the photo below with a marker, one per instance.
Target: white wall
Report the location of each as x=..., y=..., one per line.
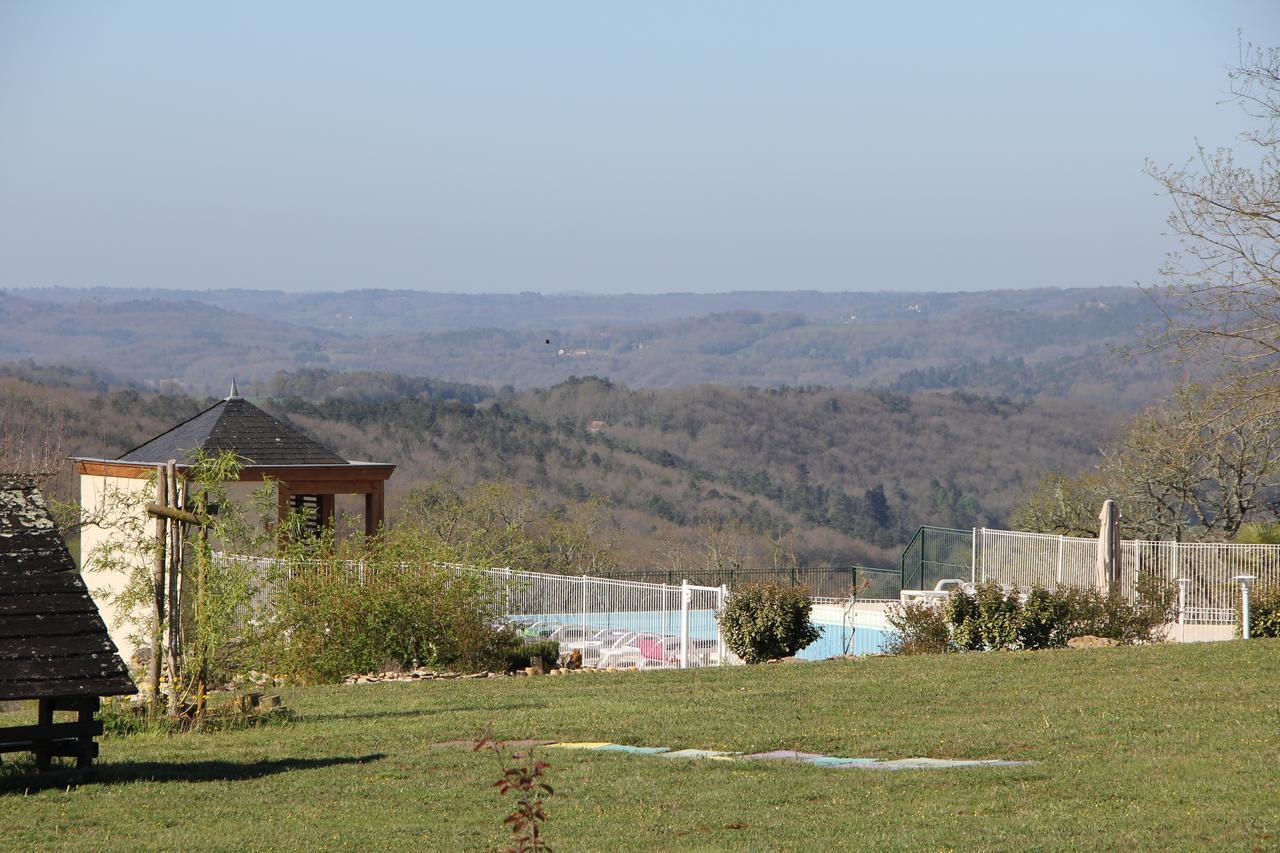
x=107, y=499
x=103, y=497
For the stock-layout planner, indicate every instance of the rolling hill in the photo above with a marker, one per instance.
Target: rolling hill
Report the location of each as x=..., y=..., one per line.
x=1051, y=342
x=847, y=474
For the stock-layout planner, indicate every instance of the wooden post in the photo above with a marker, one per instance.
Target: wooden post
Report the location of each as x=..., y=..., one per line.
x=284, y=501
x=373, y=509
x=44, y=719
x=88, y=749
x=202, y=682
x=175, y=591
x=328, y=509
x=158, y=581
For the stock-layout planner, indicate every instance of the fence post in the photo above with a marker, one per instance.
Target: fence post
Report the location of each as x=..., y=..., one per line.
x=584, y=613
x=973, y=556
x=508, y=588
x=984, y=554
x=1183, y=583
x=684, y=623
x=1245, y=582
x=1062, y=542
x=724, y=594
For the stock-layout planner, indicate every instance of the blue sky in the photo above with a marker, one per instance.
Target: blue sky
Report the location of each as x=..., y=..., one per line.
x=602, y=147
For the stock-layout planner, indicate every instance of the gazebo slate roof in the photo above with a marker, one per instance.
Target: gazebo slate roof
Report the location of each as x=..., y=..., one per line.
x=53, y=641
x=235, y=424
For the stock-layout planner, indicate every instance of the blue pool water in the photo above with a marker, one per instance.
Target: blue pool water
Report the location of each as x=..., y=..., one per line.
x=835, y=639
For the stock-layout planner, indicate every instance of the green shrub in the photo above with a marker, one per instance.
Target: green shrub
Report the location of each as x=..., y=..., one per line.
x=988, y=618
x=1091, y=612
x=329, y=625
x=511, y=652
x=1045, y=619
x=548, y=650
x=765, y=621
x=992, y=618
x=1264, y=611
x=921, y=628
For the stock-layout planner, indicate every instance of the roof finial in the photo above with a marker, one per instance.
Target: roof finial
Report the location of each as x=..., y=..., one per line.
x=235, y=392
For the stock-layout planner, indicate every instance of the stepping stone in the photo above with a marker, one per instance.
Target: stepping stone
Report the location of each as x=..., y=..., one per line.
x=839, y=762
x=783, y=755
x=639, y=750
x=714, y=755
x=922, y=763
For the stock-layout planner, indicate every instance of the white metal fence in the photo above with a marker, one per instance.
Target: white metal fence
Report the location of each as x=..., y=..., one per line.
x=617, y=623
x=1207, y=569
x=609, y=622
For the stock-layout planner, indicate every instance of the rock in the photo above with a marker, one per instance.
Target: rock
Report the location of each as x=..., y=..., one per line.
x=1088, y=641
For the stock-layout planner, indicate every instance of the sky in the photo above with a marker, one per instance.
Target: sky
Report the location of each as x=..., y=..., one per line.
x=603, y=147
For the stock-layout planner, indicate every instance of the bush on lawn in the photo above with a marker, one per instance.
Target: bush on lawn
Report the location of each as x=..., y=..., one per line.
x=513, y=652
x=765, y=621
x=330, y=625
x=921, y=629
x=1264, y=611
x=988, y=618
x=359, y=605
x=992, y=618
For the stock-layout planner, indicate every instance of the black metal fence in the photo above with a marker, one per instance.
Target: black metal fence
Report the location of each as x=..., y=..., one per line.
x=821, y=581
x=937, y=553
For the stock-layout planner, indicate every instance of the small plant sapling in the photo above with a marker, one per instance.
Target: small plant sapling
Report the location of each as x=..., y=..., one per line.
x=525, y=777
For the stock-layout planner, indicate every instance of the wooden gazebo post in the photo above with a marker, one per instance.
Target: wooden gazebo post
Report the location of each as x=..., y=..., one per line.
x=374, y=508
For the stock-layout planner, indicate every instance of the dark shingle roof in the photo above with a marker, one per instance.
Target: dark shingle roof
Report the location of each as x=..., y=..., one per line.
x=238, y=425
x=53, y=642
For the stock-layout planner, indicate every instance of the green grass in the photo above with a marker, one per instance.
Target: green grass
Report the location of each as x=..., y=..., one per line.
x=1173, y=746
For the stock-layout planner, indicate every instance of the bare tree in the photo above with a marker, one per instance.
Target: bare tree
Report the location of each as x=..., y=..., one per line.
x=31, y=444
x=1223, y=294
x=1201, y=464
x=1196, y=466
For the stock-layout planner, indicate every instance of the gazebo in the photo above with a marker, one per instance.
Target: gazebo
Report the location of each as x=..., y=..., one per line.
x=308, y=476
x=54, y=645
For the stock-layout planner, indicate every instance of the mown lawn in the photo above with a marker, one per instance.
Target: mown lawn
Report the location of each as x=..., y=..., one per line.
x=1170, y=747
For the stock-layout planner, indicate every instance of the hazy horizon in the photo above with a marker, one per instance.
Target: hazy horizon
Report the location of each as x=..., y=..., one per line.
x=584, y=150
x=550, y=294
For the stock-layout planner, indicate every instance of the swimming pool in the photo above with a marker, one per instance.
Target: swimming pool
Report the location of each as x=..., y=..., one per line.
x=867, y=635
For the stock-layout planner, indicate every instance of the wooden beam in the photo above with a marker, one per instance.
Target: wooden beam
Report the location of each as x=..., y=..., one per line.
x=374, y=507
x=249, y=473
x=284, y=503
x=123, y=470
x=53, y=731
x=173, y=644
x=328, y=509
x=88, y=749
x=328, y=487
x=44, y=720
x=158, y=590
x=156, y=510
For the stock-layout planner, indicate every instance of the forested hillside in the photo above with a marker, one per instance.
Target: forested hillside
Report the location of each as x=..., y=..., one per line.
x=846, y=475
x=1032, y=342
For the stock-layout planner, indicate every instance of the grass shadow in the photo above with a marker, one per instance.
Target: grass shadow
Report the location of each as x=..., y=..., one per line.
x=420, y=712
x=126, y=772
